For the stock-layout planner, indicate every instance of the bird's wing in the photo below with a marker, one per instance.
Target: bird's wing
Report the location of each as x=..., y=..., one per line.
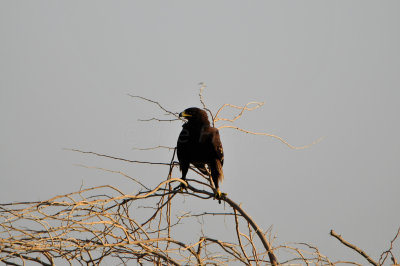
x=216, y=144
x=183, y=146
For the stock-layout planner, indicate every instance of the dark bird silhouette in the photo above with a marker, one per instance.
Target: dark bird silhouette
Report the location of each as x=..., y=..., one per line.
x=199, y=144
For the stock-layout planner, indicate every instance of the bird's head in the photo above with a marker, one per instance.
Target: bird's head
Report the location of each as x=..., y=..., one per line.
x=194, y=114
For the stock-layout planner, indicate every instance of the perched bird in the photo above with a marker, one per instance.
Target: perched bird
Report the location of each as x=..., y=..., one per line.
x=199, y=144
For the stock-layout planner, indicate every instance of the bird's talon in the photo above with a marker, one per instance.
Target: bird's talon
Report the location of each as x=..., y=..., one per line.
x=181, y=187
x=219, y=196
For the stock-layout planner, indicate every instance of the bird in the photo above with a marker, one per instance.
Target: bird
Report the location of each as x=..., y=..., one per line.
x=199, y=144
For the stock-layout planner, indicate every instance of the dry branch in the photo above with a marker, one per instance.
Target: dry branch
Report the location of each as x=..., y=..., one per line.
x=355, y=248
x=156, y=103
x=386, y=253
x=241, y=108
x=117, y=158
x=203, y=86
x=272, y=136
x=103, y=223
x=87, y=228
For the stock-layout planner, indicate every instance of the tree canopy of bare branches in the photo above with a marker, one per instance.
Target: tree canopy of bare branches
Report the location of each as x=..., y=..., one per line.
x=103, y=223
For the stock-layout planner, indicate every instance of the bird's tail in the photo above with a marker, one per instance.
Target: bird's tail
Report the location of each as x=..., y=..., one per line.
x=220, y=171
x=217, y=173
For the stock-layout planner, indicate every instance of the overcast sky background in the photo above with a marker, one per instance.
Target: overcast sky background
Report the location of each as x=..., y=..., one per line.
x=323, y=69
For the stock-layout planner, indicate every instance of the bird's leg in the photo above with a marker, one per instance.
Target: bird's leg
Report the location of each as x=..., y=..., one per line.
x=218, y=195
x=183, y=185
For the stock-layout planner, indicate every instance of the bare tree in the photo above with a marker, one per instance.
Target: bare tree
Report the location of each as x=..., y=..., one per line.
x=99, y=224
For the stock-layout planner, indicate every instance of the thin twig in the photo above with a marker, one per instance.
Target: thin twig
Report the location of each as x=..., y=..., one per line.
x=203, y=86
x=273, y=136
x=238, y=234
x=153, y=148
x=116, y=158
x=157, y=103
x=241, y=108
x=158, y=120
x=386, y=253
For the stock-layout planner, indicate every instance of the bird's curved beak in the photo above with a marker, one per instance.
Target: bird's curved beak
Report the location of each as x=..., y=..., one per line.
x=183, y=114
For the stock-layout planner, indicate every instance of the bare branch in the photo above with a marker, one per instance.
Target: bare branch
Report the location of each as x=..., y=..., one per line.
x=153, y=148
x=116, y=158
x=355, y=248
x=157, y=103
x=115, y=172
x=90, y=225
x=386, y=253
x=238, y=234
x=273, y=136
x=258, y=230
x=158, y=120
x=203, y=86
x=241, y=108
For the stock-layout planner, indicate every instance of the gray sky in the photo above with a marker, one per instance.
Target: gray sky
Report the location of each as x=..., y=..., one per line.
x=323, y=69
